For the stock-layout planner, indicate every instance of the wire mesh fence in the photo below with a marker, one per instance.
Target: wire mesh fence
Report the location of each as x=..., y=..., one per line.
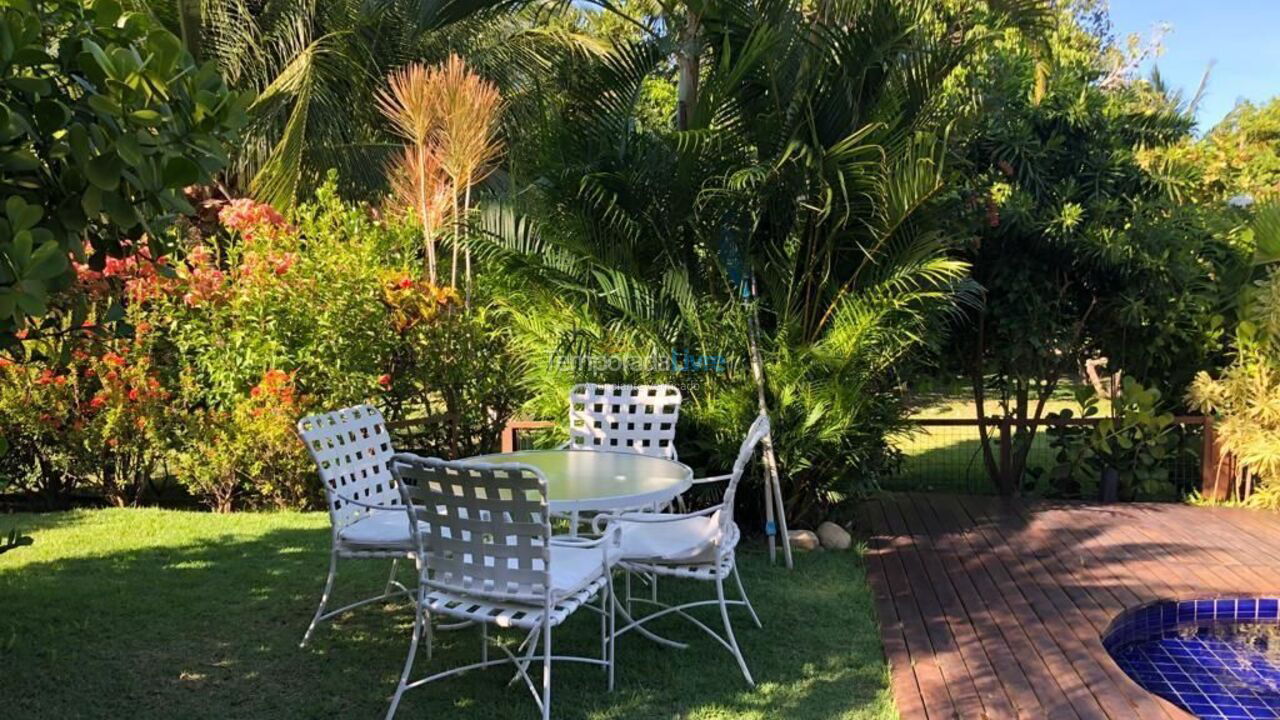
x=947, y=456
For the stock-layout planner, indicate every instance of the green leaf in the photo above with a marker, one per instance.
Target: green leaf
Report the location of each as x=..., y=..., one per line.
x=51, y=115
x=19, y=161
x=47, y=262
x=106, y=12
x=147, y=117
x=21, y=214
x=129, y=150
x=104, y=105
x=100, y=57
x=115, y=313
x=30, y=85
x=180, y=171
x=120, y=210
x=104, y=171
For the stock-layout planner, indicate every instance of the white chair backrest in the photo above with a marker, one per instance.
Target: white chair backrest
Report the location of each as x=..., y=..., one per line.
x=351, y=448
x=624, y=418
x=489, y=528
x=755, y=434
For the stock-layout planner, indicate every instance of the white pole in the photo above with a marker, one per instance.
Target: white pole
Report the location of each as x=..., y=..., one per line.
x=774, y=510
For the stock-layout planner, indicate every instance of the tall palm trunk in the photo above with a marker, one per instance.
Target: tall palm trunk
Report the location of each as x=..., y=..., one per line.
x=688, y=62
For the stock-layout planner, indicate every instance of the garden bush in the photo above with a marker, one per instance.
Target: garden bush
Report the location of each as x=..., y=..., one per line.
x=252, y=324
x=104, y=120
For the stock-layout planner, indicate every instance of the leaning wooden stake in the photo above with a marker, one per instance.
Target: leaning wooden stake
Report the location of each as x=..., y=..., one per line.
x=772, y=486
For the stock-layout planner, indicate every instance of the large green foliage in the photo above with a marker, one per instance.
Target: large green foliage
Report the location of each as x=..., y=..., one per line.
x=1081, y=250
x=313, y=68
x=104, y=120
x=802, y=165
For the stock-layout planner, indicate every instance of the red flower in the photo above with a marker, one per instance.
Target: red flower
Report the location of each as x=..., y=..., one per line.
x=133, y=394
x=385, y=381
x=97, y=401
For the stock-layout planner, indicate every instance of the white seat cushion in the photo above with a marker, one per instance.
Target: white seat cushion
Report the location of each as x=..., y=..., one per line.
x=380, y=529
x=689, y=541
x=573, y=568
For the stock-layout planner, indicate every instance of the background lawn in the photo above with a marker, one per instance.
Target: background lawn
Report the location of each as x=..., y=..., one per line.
x=155, y=613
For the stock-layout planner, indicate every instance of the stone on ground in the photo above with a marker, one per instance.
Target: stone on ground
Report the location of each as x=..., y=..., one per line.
x=834, y=537
x=804, y=540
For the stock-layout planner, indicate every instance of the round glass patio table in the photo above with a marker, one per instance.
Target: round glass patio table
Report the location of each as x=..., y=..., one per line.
x=595, y=480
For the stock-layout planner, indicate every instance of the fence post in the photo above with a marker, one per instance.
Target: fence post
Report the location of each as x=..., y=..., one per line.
x=1212, y=465
x=1006, y=453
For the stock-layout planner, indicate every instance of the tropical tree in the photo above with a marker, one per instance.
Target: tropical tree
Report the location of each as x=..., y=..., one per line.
x=1083, y=250
x=797, y=177
x=314, y=68
x=1245, y=395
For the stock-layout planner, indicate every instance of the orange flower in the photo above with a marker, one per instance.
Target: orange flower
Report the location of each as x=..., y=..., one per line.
x=385, y=381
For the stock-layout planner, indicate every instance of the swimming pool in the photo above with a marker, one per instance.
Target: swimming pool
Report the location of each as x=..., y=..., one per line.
x=1215, y=658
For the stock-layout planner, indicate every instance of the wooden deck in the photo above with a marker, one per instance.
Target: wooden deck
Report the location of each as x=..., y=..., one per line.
x=993, y=608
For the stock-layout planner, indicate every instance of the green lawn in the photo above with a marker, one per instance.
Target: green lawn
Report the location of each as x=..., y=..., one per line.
x=165, y=614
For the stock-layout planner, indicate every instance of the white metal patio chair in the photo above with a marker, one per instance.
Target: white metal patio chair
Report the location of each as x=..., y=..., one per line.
x=698, y=546
x=624, y=418
x=489, y=557
x=352, y=449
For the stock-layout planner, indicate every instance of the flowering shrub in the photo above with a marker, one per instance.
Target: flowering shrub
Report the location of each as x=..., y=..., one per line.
x=249, y=453
x=233, y=336
x=102, y=419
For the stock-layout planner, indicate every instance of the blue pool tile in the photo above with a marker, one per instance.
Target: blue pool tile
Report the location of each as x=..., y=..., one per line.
x=1186, y=652
x=1268, y=608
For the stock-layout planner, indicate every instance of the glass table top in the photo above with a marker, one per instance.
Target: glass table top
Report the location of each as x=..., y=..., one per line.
x=597, y=480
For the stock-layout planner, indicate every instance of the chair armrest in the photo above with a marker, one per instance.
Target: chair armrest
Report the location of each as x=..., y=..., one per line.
x=614, y=534
x=370, y=506
x=713, y=478
x=617, y=520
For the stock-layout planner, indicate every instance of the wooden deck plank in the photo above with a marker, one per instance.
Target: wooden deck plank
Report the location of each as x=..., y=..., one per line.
x=940, y=597
x=993, y=608
x=935, y=696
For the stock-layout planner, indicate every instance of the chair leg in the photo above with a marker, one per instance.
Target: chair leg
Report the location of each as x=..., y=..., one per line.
x=737, y=576
x=613, y=627
x=728, y=631
x=546, y=667
x=391, y=578
x=604, y=623
x=324, y=598
x=418, y=621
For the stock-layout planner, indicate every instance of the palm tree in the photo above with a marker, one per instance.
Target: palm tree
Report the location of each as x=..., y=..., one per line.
x=799, y=175
x=314, y=66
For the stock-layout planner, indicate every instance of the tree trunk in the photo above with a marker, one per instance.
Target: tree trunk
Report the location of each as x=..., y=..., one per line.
x=688, y=60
